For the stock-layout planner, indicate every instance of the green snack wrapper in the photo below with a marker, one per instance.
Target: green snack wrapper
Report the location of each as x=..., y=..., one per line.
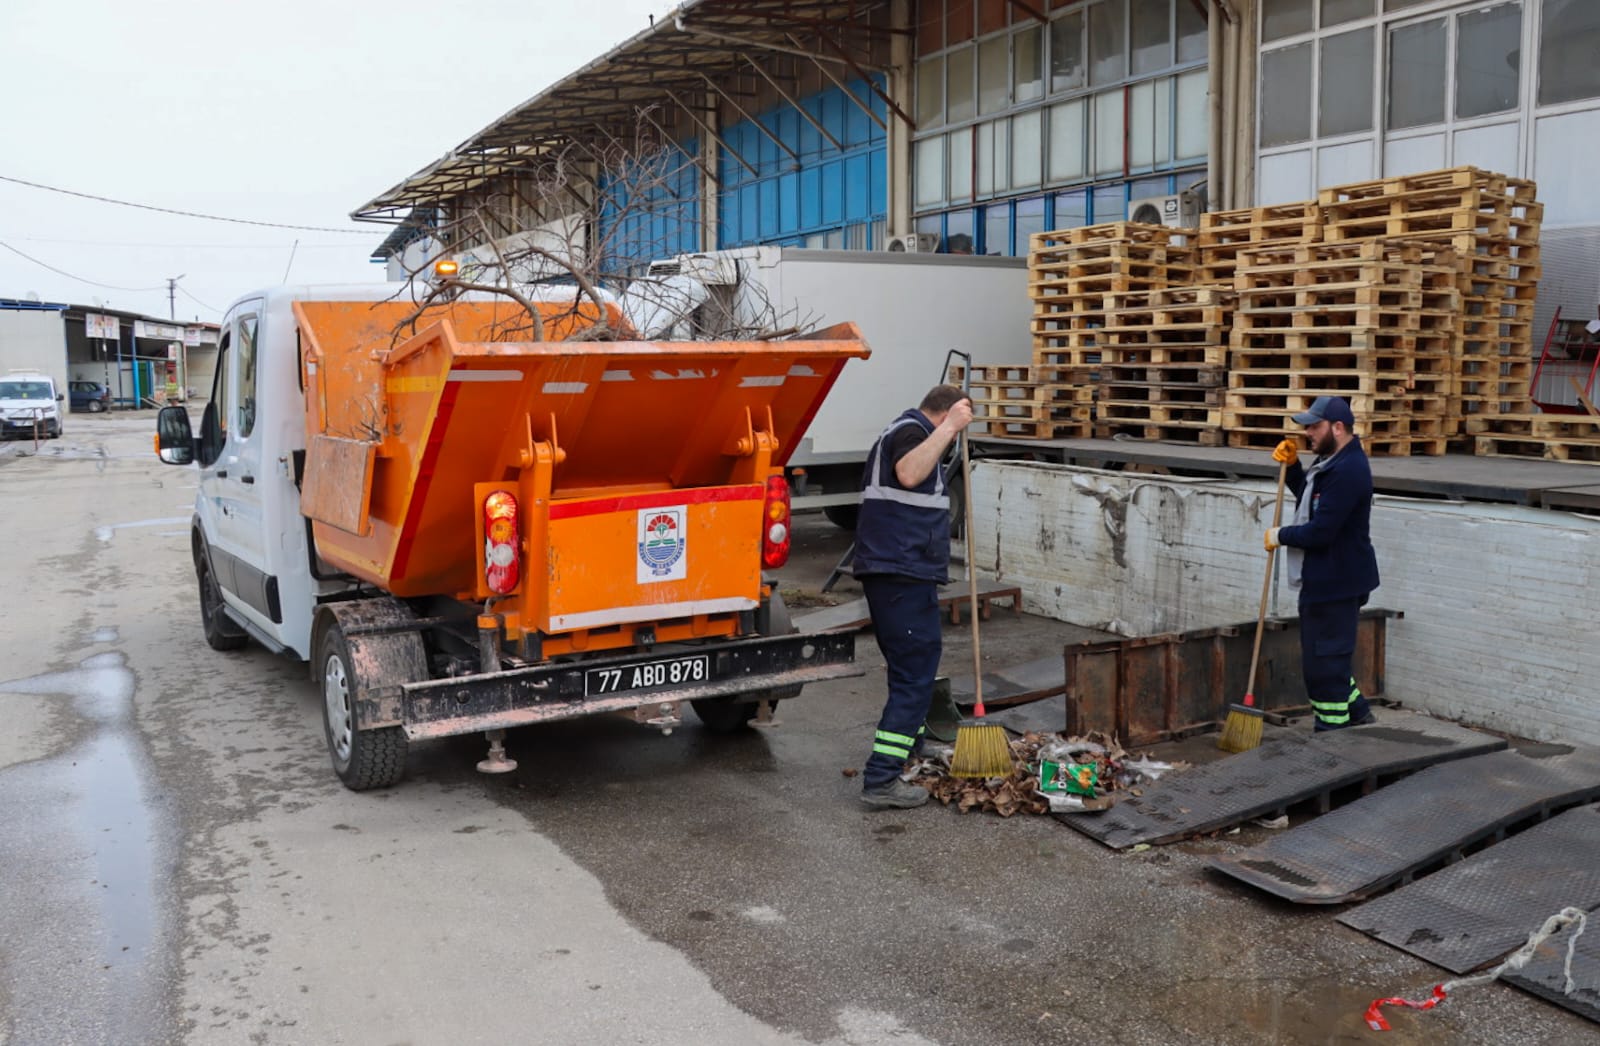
x=1074, y=778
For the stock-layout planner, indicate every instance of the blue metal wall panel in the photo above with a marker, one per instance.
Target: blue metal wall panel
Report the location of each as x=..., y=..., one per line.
x=650, y=211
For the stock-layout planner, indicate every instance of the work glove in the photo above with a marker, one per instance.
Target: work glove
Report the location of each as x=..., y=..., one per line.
x=1270, y=541
x=1287, y=452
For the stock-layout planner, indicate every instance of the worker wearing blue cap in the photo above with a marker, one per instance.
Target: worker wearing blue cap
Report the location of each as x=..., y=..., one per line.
x=1329, y=558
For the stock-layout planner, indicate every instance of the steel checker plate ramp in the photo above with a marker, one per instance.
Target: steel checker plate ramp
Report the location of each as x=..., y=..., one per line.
x=1283, y=771
x=1474, y=913
x=1358, y=849
x=1545, y=975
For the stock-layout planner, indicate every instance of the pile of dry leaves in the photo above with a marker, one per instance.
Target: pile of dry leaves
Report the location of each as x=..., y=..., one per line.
x=1019, y=792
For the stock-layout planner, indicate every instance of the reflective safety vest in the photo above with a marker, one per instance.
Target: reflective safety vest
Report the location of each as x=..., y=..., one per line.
x=901, y=531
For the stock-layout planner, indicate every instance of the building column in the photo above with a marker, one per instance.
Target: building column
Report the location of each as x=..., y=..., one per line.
x=901, y=81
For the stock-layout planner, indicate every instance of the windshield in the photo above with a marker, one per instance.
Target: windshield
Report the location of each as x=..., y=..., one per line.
x=25, y=390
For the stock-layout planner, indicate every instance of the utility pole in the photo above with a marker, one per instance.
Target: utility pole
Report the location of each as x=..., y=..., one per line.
x=172, y=295
x=182, y=369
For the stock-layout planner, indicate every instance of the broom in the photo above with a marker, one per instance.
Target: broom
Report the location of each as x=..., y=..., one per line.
x=982, y=749
x=1242, y=731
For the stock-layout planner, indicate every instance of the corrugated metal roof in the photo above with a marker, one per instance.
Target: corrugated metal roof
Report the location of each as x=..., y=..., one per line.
x=700, y=41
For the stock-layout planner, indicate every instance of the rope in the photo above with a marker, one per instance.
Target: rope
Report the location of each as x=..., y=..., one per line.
x=1514, y=962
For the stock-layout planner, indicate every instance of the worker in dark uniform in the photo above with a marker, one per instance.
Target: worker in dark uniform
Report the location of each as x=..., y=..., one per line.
x=1329, y=557
x=902, y=556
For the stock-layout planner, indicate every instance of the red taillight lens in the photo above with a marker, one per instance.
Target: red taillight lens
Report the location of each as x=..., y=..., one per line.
x=775, y=524
x=500, y=541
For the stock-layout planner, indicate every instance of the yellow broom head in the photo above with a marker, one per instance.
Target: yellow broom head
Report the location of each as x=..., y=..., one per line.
x=982, y=750
x=1242, y=730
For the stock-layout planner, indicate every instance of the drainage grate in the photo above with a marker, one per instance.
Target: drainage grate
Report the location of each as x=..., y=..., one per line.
x=1282, y=772
x=1429, y=817
x=1474, y=913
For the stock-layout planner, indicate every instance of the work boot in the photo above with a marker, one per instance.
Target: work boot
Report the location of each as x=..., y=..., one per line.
x=1366, y=720
x=896, y=795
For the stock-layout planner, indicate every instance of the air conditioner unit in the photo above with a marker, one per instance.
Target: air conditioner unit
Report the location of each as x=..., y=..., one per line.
x=913, y=243
x=1180, y=210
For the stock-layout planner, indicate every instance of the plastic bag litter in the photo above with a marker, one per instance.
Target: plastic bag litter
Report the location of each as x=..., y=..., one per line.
x=1060, y=802
x=1147, y=768
x=1062, y=751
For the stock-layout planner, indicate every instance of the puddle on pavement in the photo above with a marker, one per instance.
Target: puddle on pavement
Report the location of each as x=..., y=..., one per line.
x=106, y=533
x=87, y=823
x=103, y=635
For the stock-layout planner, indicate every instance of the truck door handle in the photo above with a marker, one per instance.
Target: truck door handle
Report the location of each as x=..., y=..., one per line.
x=222, y=473
x=247, y=479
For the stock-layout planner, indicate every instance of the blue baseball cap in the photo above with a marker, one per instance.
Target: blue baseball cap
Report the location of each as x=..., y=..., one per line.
x=1326, y=408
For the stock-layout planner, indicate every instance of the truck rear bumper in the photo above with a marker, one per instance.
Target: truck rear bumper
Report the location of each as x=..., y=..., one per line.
x=567, y=690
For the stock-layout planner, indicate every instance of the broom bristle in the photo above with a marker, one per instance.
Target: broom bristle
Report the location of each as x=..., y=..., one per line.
x=1242, y=730
x=982, y=750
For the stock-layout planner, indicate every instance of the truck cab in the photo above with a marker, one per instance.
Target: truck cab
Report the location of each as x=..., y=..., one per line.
x=461, y=527
x=30, y=405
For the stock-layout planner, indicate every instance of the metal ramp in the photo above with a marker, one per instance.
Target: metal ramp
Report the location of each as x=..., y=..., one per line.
x=1545, y=975
x=1282, y=772
x=1473, y=913
x=1428, y=818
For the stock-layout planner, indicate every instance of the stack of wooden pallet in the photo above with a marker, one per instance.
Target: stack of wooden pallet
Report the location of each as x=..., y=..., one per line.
x=1370, y=320
x=1006, y=402
x=1086, y=286
x=1223, y=235
x=1491, y=222
x=1163, y=364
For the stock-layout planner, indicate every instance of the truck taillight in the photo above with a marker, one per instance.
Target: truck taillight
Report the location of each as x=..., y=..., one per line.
x=775, y=524
x=500, y=541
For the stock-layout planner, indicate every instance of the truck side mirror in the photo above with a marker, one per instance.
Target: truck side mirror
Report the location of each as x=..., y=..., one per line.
x=174, y=436
x=59, y=397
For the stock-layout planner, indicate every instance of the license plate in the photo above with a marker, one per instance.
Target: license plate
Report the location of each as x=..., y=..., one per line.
x=675, y=671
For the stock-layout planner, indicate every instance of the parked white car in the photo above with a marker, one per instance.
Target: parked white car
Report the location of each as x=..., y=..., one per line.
x=30, y=402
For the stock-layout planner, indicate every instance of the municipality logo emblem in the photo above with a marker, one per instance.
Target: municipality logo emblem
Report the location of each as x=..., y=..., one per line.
x=661, y=541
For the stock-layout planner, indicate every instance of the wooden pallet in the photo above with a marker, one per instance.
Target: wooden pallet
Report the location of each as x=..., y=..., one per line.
x=1180, y=432
x=1138, y=232
x=1283, y=222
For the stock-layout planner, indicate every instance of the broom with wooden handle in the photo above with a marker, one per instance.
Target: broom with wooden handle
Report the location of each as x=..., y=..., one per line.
x=1242, y=731
x=982, y=748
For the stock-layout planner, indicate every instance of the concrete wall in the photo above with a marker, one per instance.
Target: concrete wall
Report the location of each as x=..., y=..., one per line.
x=1500, y=602
x=34, y=340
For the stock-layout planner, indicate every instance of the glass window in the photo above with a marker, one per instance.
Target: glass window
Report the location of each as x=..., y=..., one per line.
x=1108, y=132
x=1072, y=209
x=1144, y=188
x=1110, y=203
x=929, y=223
x=1150, y=123
x=1067, y=125
x=997, y=229
x=1152, y=35
x=1344, y=96
x=1027, y=149
x=1108, y=42
x=994, y=76
x=221, y=388
x=1336, y=12
x=1281, y=18
x=930, y=92
x=1194, y=115
x=1191, y=32
x=960, y=102
x=1569, y=41
x=1417, y=74
x=993, y=150
x=1027, y=66
x=958, y=228
x=1401, y=5
x=929, y=175
x=247, y=376
x=1488, y=49
x=1286, y=95
x=1066, y=52
x=961, y=164
x=1029, y=220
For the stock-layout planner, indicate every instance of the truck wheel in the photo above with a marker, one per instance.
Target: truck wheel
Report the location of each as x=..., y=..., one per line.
x=219, y=633
x=726, y=715
x=842, y=516
x=363, y=759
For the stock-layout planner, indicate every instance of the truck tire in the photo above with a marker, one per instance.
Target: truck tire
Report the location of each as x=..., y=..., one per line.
x=842, y=516
x=727, y=715
x=363, y=758
x=220, y=632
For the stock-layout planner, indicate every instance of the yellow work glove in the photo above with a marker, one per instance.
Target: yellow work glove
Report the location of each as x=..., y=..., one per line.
x=1287, y=452
x=1270, y=540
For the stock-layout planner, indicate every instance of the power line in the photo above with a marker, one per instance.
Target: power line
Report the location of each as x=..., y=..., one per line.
x=197, y=301
x=70, y=276
x=190, y=214
x=188, y=246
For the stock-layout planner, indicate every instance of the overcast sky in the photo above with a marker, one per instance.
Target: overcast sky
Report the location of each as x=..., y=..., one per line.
x=295, y=112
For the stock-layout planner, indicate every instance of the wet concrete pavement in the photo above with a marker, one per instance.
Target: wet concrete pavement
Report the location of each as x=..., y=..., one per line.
x=178, y=863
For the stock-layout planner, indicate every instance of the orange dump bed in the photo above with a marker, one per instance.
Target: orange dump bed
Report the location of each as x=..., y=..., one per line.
x=620, y=454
